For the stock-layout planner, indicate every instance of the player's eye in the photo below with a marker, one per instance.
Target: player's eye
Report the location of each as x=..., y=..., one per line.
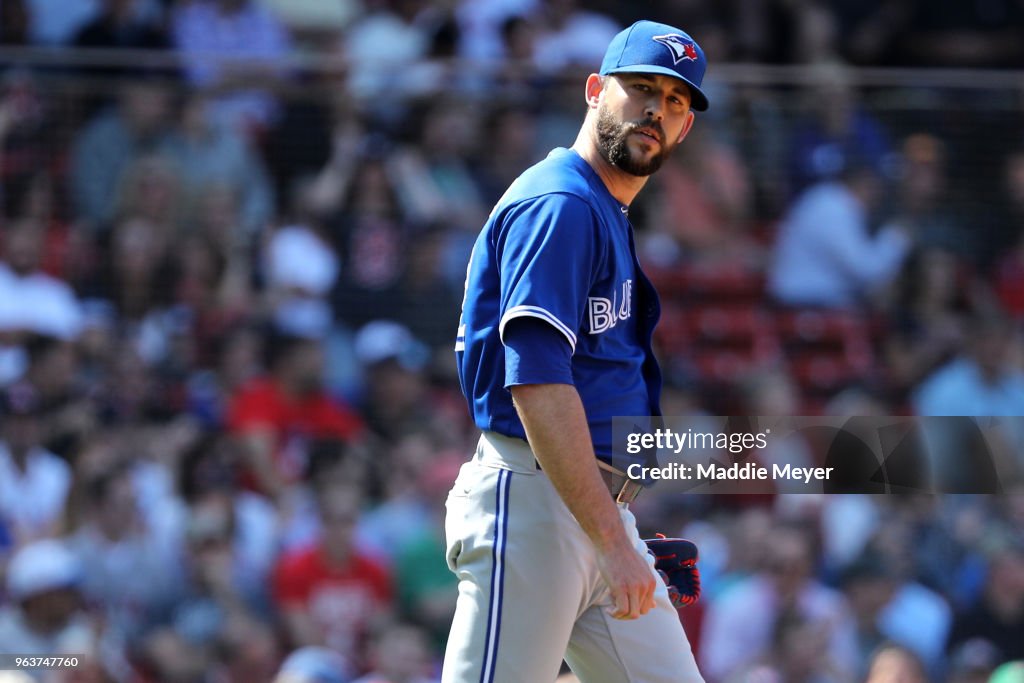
x=642, y=87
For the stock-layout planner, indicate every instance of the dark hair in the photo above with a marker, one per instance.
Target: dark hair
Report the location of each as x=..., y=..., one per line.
x=281, y=344
x=38, y=345
x=98, y=488
x=203, y=468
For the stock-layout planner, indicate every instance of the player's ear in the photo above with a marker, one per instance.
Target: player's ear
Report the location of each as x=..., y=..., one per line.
x=687, y=125
x=595, y=84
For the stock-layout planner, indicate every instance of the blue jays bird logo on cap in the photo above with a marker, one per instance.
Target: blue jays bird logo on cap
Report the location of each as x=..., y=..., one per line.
x=679, y=47
x=641, y=48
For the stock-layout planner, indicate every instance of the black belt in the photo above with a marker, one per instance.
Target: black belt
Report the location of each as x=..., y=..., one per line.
x=622, y=488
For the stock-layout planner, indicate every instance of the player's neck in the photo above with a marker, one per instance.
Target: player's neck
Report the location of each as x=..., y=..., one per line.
x=623, y=186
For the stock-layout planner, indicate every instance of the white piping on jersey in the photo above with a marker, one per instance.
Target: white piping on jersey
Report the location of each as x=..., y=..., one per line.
x=524, y=311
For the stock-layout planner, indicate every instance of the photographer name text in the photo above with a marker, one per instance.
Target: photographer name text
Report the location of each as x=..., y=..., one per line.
x=735, y=472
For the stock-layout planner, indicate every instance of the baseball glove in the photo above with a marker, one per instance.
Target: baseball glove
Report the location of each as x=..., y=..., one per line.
x=675, y=560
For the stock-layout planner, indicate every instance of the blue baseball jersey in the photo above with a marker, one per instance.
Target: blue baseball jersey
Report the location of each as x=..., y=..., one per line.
x=559, y=247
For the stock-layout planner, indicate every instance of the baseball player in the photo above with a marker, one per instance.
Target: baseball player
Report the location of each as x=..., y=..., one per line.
x=555, y=340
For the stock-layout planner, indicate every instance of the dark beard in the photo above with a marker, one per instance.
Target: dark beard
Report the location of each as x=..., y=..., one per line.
x=612, y=138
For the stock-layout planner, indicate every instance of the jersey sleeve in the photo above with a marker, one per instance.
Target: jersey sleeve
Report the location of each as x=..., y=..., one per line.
x=546, y=250
x=535, y=353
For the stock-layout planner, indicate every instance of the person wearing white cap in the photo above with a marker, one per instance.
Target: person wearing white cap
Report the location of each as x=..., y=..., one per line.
x=45, y=615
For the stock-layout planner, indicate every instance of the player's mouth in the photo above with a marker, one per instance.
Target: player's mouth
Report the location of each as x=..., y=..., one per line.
x=649, y=134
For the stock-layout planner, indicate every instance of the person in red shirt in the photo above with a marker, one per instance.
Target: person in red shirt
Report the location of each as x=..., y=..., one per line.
x=275, y=417
x=330, y=594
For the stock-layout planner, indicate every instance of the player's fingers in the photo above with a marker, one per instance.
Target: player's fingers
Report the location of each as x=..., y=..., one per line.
x=633, y=605
x=647, y=597
x=620, y=603
x=648, y=603
x=636, y=601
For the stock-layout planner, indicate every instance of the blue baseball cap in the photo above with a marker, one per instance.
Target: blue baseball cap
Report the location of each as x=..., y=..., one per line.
x=653, y=48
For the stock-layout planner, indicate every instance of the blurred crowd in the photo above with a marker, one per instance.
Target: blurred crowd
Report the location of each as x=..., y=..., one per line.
x=231, y=264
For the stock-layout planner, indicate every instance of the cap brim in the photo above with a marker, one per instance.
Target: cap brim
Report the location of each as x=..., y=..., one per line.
x=698, y=100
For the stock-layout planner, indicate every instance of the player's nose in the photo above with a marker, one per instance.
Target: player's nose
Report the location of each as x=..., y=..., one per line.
x=654, y=108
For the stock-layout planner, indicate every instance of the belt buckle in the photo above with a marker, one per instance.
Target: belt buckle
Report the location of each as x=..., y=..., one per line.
x=620, y=486
x=629, y=491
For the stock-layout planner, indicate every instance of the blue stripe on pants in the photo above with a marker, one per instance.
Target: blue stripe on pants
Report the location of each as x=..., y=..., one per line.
x=497, y=577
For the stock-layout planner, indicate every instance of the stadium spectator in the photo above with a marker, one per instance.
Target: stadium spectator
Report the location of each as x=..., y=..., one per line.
x=706, y=201
x=369, y=230
x=31, y=300
x=128, y=566
x=999, y=615
x=164, y=656
x=276, y=416
x=834, y=130
x=330, y=594
x=383, y=47
x=739, y=624
x=889, y=606
x=36, y=198
x=34, y=483
x=825, y=255
x=150, y=189
x=515, y=77
x=983, y=380
x=235, y=360
x=434, y=180
x=53, y=371
x=928, y=319
x=925, y=199
x=425, y=285
x=207, y=152
x=570, y=35
x=235, y=50
x=211, y=294
x=511, y=132
x=799, y=653
x=213, y=592
x=425, y=587
x=108, y=145
x=27, y=144
x=232, y=541
x=248, y=649
x=45, y=613
x=399, y=653
x=403, y=514
x=395, y=402
x=134, y=283
x=481, y=25
x=301, y=269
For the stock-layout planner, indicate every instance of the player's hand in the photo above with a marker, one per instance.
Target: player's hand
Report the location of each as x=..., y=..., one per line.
x=629, y=579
